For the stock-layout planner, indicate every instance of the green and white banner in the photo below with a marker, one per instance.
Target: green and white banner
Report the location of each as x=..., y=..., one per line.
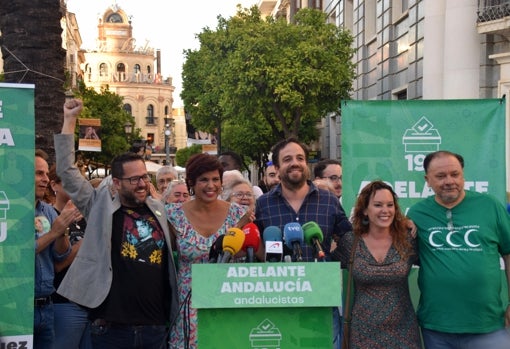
x=388, y=140
x=266, y=285
x=17, y=244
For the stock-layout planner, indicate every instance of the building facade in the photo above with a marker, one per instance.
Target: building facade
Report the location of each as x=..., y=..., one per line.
x=134, y=73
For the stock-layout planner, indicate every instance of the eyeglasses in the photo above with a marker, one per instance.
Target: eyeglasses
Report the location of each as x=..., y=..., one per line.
x=334, y=178
x=450, y=219
x=135, y=179
x=178, y=194
x=241, y=195
x=165, y=181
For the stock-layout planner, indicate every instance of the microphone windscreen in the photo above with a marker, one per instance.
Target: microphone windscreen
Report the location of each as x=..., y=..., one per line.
x=292, y=232
x=251, y=237
x=216, y=248
x=272, y=233
x=312, y=230
x=233, y=241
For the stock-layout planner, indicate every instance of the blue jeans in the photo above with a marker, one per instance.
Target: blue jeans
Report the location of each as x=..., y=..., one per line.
x=440, y=340
x=72, y=329
x=116, y=336
x=44, y=331
x=337, y=329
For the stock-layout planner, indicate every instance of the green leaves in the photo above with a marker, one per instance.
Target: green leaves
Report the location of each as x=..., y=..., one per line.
x=263, y=80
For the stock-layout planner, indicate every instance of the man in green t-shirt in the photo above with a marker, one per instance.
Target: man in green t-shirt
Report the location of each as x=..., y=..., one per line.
x=462, y=236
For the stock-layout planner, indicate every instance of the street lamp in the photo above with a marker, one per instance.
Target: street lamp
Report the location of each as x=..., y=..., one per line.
x=167, y=143
x=128, y=128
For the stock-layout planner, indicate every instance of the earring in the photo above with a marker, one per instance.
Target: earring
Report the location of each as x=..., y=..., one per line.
x=191, y=192
x=364, y=221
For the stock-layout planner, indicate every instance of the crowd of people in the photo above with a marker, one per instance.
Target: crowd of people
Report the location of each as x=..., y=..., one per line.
x=113, y=259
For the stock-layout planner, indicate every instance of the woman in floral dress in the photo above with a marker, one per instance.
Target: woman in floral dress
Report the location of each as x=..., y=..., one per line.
x=382, y=313
x=198, y=223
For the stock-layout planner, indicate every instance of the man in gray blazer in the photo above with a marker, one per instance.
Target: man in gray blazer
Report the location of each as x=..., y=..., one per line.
x=124, y=271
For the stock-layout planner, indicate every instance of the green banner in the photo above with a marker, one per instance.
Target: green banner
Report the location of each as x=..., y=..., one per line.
x=266, y=285
x=271, y=328
x=17, y=244
x=388, y=140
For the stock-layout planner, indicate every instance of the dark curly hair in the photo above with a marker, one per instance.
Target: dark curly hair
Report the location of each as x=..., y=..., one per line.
x=398, y=229
x=199, y=164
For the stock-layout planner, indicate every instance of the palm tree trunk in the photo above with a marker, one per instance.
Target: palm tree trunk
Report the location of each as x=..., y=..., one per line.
x=31, y=45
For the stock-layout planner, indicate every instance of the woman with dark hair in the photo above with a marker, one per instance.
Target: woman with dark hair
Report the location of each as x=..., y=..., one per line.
x=382, y=313
x=198, y=223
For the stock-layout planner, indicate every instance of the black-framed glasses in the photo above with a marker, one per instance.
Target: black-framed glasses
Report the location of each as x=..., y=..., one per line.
x=135, y=179
x=241, y=195
x=334, y=178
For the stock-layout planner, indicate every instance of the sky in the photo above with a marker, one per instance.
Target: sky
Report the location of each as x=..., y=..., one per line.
x=169, y=25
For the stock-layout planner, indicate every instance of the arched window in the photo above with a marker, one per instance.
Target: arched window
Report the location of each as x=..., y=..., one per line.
x=127, y=107
x=150, y=114
x=103, y=70
x=88, y=72
x=166, y=109
x=121, y=71
x=137, y=68
x=148, y=69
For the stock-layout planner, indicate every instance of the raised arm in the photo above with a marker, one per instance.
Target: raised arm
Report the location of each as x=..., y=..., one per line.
x=72, y=108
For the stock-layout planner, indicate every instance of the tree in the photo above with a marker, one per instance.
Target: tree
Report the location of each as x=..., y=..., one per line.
x=183, y=154
x=32, y=52
x=264, y=80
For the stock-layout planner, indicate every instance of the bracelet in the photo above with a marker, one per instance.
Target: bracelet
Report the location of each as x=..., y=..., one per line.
x=66, y=233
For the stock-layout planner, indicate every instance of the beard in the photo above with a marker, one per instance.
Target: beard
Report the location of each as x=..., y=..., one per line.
x=294, y=182
x=131, y=199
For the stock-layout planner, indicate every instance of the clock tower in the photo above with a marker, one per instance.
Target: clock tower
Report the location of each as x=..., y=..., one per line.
x=115, y=31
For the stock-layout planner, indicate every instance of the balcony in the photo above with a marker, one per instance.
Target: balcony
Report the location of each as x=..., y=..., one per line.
x=491, y=10
x=151, y=121
x=493, y=17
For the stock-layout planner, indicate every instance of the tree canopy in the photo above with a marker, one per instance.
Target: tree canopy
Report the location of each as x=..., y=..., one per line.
x=255, y=81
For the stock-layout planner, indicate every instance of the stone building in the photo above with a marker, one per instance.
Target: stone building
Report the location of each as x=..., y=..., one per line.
x=133, y=71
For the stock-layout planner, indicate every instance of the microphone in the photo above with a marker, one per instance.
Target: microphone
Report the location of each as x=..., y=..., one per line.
x=251, y=241
x=313, y=237
x=273, y=243
x=293, y=235
x=232, y=243
x=216, y=251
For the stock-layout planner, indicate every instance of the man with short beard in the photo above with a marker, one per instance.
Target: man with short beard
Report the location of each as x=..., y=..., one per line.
x=271, y=178
x=124, y=271
x=297, y=199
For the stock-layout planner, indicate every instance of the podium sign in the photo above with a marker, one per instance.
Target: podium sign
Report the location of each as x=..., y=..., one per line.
x=266, y=305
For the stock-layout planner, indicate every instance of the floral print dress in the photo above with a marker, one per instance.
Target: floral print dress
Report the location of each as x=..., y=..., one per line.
x=192, y=248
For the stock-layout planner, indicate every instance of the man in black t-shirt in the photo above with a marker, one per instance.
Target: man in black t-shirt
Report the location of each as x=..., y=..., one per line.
x=123, y=271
